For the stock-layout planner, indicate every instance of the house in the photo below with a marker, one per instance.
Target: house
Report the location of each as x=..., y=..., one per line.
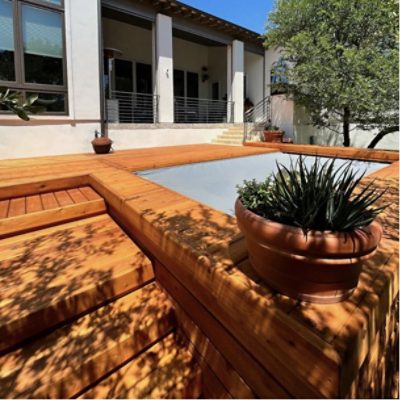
x=150, y=72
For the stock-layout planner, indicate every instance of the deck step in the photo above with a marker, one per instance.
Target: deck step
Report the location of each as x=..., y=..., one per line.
x=71, y=358
x=56, y=274
x=27, y=213
x=167, y=370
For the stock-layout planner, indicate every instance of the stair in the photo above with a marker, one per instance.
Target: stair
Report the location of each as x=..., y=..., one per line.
x=233, y=136
x=81, y=315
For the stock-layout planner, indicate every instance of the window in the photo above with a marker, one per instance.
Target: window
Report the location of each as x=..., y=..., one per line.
x=32, y=51
x=279, y=77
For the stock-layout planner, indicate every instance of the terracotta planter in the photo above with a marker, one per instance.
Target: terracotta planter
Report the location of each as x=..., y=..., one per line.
x=102, y=145
x=273, y=136
x=323, y=267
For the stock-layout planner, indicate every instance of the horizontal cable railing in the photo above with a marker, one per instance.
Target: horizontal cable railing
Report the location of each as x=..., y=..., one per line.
x=193, y=110
x=129, y=107
x=256, y=118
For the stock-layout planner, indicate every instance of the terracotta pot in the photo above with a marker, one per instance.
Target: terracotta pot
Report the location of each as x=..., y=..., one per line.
x=273, y=136
x=101, y=145
x=322, y=267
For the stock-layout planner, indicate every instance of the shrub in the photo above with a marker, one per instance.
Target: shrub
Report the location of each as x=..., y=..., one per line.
x=319, y=197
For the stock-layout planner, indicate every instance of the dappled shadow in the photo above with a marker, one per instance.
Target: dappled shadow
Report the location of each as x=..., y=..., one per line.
x=166, y=370
x=54, y=275
x=78, y=354
x=213, y=241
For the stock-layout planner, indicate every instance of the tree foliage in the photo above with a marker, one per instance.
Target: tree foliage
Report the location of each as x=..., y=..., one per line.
x=343, y=60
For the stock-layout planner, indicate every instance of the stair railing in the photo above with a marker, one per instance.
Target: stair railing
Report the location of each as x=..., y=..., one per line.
x=256, y=118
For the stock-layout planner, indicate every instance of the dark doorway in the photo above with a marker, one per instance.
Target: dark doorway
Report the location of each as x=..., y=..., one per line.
x=123, y=76
x=192, y=84
x=215, y=91
x=144, y=81
x=179, y=83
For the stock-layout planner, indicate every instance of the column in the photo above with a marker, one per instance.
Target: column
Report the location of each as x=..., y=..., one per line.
x=164, y=68
x=238, y=80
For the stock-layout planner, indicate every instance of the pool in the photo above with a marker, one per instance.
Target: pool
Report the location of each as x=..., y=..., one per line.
x=214, y=182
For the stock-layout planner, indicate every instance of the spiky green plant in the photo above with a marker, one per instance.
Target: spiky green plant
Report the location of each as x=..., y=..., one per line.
x=320, y=197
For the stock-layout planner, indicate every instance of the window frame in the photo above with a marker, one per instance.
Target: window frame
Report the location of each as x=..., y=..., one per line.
x=20, y=84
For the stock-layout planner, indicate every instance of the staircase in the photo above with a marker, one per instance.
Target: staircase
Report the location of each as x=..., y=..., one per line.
x=80, y=312
x=232, y=136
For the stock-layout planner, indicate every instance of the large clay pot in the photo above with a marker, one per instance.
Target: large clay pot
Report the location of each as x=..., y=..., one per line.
x=102, y=145
x=322, y=267
x=273, y=136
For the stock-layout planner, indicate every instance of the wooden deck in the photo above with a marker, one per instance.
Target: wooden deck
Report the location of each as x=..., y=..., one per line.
x=255, y=341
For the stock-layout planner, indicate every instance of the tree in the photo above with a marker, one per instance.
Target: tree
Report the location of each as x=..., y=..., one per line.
x=14, y=102
x=342, y=61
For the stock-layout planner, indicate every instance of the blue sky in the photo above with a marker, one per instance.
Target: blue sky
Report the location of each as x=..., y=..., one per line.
x=251, y=14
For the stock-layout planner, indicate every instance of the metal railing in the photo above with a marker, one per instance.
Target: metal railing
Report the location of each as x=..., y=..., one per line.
x=129, y=107
x=256, y=118
x=193, y=110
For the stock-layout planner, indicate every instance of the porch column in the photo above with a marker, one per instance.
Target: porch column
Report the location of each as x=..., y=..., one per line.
x=238, y=80
x=164, y=68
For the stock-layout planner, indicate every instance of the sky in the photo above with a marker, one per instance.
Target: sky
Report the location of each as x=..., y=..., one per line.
x=251, y=14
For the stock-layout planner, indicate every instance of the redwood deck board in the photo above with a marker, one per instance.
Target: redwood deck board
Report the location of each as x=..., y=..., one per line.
x=17, y=207
x=34, y=203
x=302, y=346
x=63, y=198
x=49, y=201
x=53, y=274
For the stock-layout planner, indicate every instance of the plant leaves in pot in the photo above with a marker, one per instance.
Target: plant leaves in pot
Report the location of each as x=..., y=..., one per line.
x=308, y=229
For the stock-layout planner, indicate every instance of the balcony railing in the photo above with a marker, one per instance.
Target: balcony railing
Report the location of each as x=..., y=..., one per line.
x=129, y=107
x=193, y=110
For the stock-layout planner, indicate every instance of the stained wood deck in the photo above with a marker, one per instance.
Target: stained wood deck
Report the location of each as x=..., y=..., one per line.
x=287, y=348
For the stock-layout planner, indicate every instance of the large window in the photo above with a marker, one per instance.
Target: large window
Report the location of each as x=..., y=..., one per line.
x=32, y=51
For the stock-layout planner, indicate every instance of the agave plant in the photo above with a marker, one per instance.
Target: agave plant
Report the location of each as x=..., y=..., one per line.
x=15, y=102
x=320, y=197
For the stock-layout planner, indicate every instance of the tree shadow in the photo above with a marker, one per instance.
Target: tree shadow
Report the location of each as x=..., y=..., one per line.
x=51, y=278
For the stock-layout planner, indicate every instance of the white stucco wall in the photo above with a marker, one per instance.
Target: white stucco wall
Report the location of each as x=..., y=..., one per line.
x=282, y=114
x=137, y=138
x=303, y=130
x=254, y=71
x=134, y=42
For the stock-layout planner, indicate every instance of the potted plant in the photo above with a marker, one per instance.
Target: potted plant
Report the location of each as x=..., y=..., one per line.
x=272, y=133
x=308, y=230
x=101, y=143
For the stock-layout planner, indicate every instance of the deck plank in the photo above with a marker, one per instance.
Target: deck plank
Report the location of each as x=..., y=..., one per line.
x=49, y=201
x=4, y=205
x=17, y=207
x=53, y=274
x=63, y=198
x=34, y=203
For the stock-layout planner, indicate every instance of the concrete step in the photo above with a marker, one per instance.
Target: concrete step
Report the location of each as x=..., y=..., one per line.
x=56, y=274
x=166, y=370
x=237, y=142
x=231, y=135
x=69, y=360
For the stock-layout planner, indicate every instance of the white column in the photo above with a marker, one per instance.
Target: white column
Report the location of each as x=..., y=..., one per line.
x=267, y=74
x=238, y=80
x=229, y=81
x=164, y=68
x=82, y=24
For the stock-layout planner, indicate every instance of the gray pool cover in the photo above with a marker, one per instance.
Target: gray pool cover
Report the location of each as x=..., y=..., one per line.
x=214, y=182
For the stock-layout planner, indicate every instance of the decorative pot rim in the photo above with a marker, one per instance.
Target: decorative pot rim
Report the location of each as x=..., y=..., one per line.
x=355, y=243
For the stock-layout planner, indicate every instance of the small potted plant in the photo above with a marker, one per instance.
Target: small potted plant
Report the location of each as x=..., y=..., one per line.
x=101, y=143
x=272, y=133
x=308, y=229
